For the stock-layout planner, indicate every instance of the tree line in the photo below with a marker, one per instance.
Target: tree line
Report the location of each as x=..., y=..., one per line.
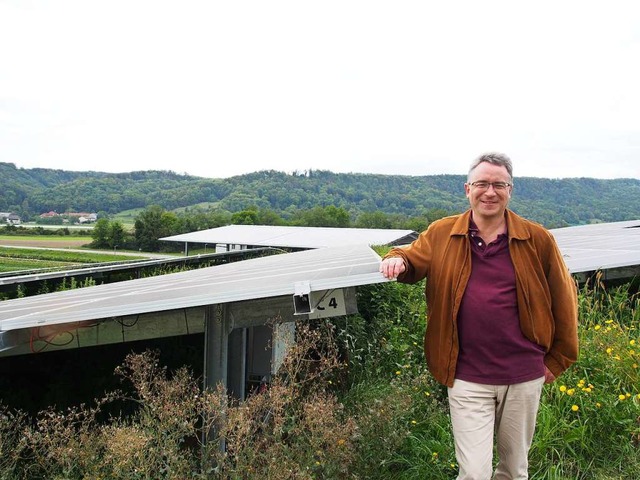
x=155, y=222
x=552, y=202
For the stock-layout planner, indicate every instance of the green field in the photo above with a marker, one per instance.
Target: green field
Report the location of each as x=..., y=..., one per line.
x=203, y=206
x=16, y=264
x=127, y=217
x=15, y=259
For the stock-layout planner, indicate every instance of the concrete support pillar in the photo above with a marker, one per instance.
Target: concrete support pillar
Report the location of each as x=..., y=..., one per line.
x=216, y=353
x=216, y=345
x=237, y=366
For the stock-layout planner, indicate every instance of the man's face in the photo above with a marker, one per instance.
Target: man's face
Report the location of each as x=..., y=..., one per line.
x=488, y=202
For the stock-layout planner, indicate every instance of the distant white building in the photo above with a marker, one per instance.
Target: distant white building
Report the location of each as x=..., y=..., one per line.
x=82, y=217
x=10, y=218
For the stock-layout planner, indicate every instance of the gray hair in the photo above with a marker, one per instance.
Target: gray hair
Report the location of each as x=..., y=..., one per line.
x=495, y=158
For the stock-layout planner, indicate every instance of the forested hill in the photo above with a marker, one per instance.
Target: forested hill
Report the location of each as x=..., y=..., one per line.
x=553, y=202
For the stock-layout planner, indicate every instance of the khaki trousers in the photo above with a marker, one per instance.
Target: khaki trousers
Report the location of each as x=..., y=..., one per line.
x=478, y=411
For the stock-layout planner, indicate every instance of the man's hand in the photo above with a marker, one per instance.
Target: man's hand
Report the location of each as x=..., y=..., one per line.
x=392, y=267
x=548, y=376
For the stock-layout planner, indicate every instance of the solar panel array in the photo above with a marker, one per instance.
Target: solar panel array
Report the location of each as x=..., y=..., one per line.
x=585, y=249
x=603, y=246
x=264, y=277
x=294, y=237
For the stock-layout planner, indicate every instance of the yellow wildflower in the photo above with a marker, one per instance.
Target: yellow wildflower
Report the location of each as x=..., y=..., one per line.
x=575, y=408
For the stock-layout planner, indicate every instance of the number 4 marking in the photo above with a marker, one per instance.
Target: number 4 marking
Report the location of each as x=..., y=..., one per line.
x=332, y=303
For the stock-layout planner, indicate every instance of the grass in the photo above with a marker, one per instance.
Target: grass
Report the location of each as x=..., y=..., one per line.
x=589, y=423
x=589, y=420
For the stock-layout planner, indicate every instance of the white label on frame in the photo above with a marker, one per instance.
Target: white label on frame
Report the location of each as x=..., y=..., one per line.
x=328, y=303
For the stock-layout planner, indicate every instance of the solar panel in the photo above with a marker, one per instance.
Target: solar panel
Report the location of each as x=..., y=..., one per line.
x=295, y=237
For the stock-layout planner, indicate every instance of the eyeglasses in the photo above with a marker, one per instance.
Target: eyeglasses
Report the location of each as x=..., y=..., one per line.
x=498, y=186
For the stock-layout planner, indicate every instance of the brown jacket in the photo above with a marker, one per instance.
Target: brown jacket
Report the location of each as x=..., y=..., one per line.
x=546, y=292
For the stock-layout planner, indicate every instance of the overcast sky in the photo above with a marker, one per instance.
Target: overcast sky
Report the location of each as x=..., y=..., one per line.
x=221, y=88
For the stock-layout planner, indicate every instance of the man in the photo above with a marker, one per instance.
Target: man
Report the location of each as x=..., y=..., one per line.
x=501, y=321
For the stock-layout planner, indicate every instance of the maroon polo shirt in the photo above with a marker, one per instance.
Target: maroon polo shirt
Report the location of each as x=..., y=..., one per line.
x=493, y=349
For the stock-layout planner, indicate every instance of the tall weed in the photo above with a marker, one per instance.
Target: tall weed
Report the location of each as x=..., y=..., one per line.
x=295, y=429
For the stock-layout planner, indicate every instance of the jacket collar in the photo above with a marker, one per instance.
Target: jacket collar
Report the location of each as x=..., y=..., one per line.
x=516, y=226
x=461, y=225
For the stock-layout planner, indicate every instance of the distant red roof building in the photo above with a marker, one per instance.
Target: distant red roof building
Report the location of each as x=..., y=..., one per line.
x=49, y=214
